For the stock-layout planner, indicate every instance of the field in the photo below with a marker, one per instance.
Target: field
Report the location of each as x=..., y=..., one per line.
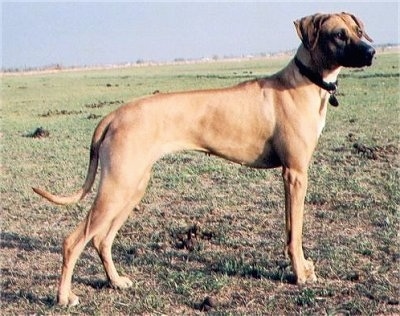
x=206, y=228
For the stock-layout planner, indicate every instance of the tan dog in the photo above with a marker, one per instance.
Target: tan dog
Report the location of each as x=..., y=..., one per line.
x=262, y=123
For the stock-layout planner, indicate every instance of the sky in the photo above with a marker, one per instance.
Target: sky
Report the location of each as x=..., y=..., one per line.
x=37, y=34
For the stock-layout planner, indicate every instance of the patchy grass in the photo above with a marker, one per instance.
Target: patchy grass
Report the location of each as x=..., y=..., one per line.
x=209, y=235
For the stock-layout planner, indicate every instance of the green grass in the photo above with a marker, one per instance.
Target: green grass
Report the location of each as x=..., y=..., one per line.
x=351, y=224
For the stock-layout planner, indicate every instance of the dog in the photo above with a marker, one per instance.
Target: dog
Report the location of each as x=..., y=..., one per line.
x=262, y=123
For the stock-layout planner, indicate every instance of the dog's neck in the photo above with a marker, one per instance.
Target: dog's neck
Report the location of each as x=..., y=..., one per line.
x=325, y=79
x=328, y=73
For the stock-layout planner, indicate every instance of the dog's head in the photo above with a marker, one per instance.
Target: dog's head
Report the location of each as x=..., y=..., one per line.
x=337, y=37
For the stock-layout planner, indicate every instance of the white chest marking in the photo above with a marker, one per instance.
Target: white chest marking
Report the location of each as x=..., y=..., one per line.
x=321, y=126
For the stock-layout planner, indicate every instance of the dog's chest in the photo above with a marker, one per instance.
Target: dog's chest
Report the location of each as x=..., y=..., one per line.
x=322, y=117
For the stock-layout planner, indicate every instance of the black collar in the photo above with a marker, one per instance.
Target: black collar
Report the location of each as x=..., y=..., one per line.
x=316, y=78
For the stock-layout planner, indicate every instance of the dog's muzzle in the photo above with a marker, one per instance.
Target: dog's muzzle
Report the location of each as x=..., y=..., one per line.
x=357, y=55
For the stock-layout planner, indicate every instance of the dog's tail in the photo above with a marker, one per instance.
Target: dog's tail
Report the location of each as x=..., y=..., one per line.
x=97, y=139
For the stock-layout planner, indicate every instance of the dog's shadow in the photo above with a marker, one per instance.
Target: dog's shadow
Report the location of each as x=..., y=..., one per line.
x=13, y=240
x=219, y=263
x=274, y=270
x=20, y=244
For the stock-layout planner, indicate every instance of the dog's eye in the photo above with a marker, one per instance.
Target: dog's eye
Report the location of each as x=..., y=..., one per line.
x=341, y=35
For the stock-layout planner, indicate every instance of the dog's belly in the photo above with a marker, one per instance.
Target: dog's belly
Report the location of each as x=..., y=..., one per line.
x=250, y=154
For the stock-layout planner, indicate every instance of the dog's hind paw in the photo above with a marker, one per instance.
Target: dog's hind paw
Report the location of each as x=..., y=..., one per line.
x=121, y=283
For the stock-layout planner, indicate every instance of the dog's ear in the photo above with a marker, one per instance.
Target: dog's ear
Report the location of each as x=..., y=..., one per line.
x=360, y=25
x=308, y=29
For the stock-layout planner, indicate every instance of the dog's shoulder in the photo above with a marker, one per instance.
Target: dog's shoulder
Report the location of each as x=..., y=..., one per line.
x=256, y=83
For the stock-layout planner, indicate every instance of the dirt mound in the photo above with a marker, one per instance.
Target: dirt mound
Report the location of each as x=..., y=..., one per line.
x=59, y=112
x=101, y=104
x=40, y=132
x=375, y=152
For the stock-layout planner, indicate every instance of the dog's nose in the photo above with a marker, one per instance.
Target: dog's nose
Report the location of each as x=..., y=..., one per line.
x=370, y=52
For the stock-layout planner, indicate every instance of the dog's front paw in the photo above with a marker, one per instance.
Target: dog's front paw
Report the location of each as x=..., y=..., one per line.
x=68, y=300
x=308, y=275
x=121, y=283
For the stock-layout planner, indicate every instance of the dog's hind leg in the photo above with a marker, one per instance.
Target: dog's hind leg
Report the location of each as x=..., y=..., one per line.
x=103, y=241
x=72, y=247
x=110, y=209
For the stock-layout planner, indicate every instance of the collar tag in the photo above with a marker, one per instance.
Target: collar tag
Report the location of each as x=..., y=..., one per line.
x=333, y=100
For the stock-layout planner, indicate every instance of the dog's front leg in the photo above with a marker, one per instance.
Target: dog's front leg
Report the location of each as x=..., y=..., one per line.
x=295, y=182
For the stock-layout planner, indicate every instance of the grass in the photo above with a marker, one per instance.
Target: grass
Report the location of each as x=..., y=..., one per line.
x=206, y=228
